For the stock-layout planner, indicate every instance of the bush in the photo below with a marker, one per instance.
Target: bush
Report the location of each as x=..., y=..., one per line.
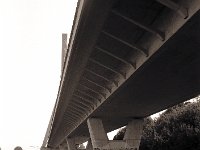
x=178, y=128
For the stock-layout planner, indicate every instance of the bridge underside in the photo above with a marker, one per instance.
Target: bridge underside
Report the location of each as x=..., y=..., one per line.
x=171, y=76
x=129, y=59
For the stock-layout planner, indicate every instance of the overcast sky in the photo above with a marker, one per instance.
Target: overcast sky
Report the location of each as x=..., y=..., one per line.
x=30, y=45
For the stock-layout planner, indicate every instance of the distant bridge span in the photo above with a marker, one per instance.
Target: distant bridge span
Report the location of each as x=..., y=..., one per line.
x=126, y=60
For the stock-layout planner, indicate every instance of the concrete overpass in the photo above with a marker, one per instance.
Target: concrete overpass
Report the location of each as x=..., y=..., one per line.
x=125, y=61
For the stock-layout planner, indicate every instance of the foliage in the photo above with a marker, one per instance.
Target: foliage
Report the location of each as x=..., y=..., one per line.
x=148, y=134
x=178, y=128
x=120, y=134
x=18, y=148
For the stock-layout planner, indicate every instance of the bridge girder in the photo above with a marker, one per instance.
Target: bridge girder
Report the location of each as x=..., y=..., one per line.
x=118, y=56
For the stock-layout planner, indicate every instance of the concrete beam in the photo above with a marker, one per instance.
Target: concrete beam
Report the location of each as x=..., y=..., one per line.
x=156, y=32
x=176, y=7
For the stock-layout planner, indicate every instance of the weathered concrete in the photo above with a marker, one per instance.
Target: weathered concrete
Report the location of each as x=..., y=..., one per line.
x=71, y=144
x=133, y=134
x=100, y=140
x=127, y=59
x=97, y=133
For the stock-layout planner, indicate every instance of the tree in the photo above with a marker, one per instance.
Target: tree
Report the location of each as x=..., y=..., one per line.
x=148, y=134
x=18, y=148
x=177, y=128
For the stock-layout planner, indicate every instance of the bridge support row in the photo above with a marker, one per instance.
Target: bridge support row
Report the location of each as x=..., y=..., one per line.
x=99, y=140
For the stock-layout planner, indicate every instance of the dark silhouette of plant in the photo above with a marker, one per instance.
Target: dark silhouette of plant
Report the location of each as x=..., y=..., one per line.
x=178, y=128
x=18, y=148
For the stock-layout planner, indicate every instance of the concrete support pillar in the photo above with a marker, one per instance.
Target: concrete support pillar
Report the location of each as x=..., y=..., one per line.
x=100, y=140
x=98, y=135
x=89, y=145
x=71, y=144
x=133, y=134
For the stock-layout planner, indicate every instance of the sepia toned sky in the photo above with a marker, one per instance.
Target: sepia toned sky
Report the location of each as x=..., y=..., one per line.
x=30, y=55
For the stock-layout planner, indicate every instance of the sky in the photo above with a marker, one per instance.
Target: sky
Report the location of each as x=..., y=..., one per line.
x=30, y=55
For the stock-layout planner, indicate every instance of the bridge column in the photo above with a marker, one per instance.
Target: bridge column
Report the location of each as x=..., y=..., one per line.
x=98, y=135
x=133, y=134
x=100, y=140
x=71, y=144
x=89, y=145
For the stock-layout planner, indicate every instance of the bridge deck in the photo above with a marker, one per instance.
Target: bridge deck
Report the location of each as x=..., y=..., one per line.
x=171, y=76
x=126, y=59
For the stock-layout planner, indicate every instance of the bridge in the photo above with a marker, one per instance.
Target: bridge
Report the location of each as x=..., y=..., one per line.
x=126, y=60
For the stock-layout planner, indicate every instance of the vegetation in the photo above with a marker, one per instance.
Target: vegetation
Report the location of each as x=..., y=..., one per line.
x=178, y=128
x=18, y=148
